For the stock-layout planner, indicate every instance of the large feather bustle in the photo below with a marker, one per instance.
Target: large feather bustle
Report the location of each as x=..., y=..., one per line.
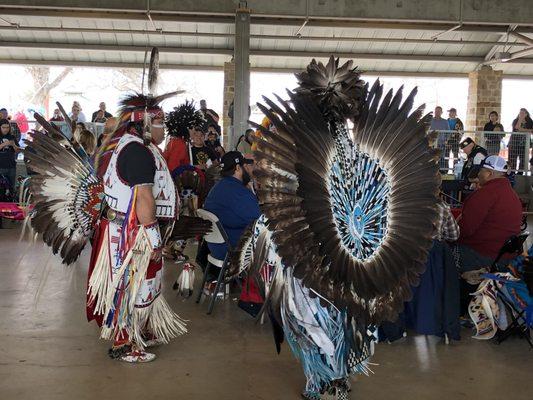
x=66, y=195
x=297, y=199
x=183, y=118
x=338, y=91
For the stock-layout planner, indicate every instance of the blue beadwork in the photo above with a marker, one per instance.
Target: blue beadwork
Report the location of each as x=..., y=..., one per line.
x=359, y=190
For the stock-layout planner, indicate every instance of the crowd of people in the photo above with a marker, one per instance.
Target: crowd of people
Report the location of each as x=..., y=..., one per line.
x=491, y=213
x=451, y=130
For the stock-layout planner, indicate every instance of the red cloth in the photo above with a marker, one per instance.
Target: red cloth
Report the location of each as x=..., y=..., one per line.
x=250, y=292
x=456, y=212
x=176, y=153
x=490, y=216
x=22, y=122
x=97, y=242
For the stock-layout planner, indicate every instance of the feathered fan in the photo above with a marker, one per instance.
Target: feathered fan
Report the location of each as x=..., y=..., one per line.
x=66, y=194
x=353, y=217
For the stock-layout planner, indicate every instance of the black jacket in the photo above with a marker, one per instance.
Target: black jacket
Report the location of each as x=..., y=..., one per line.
x=470, y=162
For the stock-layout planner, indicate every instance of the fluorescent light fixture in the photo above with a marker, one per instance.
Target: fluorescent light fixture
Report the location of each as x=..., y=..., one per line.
x=504, y=56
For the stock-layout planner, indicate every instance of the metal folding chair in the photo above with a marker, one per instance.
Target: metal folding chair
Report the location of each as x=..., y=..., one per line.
x=216, y=236
x=514, y=245
x=518, y=314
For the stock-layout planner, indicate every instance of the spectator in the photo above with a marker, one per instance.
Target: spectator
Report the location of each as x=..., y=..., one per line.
x=456, y=125
x=232, y=201
x=202, y=156
x=8, y=154
x=56, y=116
x=493, y=140
x=210, y=116
x=490, y=216
x=78, y=127
x=267, y=124
x=87, y=141
x=15, y=131
x=437, y=122
x=214, y=142
x=453, y=120
x=517, y=143
x=101, y=115
x=475, y=155
x=245, y=142
x=76, y=114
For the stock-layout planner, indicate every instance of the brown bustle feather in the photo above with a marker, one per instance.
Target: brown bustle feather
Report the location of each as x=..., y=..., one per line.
x=300, y=154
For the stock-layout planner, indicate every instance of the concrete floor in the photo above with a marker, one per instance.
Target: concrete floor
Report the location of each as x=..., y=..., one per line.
x=49, y=351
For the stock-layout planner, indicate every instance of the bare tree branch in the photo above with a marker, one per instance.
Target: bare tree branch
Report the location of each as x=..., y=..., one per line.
x=41, y=84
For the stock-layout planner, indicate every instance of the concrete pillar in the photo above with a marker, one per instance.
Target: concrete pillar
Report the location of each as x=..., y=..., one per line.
x=484, y=96
x=242, y=74
x=229, y=95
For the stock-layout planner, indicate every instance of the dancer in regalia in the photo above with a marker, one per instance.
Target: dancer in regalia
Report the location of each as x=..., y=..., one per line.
x=121, y=211
x=348, y=218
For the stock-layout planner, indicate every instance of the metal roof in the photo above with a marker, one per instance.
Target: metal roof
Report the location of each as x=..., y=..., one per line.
x=397, y=49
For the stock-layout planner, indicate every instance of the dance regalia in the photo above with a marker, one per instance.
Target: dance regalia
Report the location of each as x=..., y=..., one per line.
x=74, y=204
x=349, y=218
x=124, y=286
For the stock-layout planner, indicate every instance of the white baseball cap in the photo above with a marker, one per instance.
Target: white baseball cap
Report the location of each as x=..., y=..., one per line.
x=495, y=163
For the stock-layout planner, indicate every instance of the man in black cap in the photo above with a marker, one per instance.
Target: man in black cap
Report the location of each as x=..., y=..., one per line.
x=232, y=201
x=475, y=155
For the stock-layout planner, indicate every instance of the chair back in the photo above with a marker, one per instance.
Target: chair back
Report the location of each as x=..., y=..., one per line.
x=218, y=234
x=514, y=246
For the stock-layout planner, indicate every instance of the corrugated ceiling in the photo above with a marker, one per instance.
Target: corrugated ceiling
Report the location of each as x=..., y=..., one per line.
x=374, y=50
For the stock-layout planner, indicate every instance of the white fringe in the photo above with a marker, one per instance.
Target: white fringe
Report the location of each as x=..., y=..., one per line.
x=100, y=281
x=158, y=318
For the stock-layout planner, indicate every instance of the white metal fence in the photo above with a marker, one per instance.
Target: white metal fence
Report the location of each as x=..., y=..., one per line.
x=515, y=147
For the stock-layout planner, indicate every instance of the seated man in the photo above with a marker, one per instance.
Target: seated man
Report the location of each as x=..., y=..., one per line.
x=490, y=216
x=233, y=202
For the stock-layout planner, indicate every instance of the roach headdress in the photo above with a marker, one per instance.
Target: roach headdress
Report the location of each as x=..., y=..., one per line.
x=353, y=214
x=183, y=118
x=143, y=108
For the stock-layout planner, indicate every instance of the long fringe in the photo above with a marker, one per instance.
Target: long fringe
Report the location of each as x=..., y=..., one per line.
x=126, y=284
x=100, y=283
x=158, y=319
x=121, y=313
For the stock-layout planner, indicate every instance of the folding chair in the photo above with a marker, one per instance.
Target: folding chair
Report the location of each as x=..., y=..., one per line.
x=512, y=295
x=216, y=236
x=514, y=245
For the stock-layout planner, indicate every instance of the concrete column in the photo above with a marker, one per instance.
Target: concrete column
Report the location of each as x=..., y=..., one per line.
x=242, y=74
x=229, y=95
x=484, y=96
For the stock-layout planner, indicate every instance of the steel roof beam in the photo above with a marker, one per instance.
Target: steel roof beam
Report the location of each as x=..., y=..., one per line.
x=199, y=67
x=229, y=51
x=257, y=20
x=160, y=32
